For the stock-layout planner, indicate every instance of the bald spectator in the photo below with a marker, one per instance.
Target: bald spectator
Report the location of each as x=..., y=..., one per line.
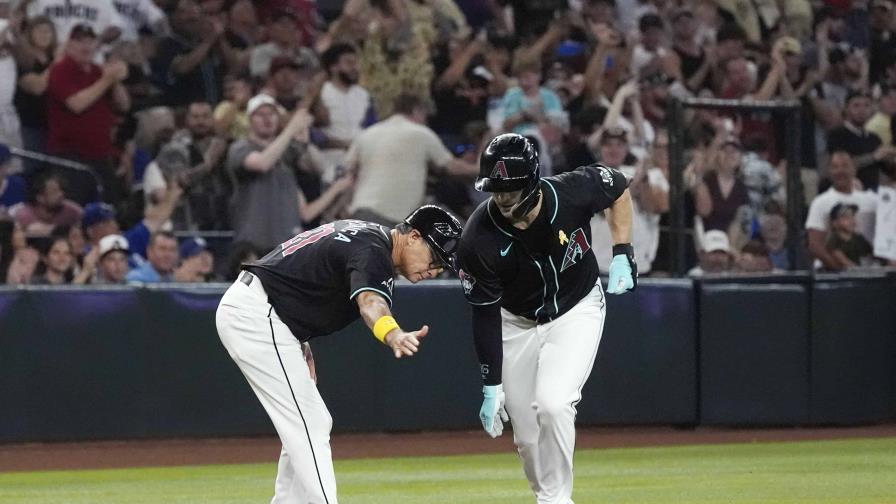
x=46, y=208
x=842, y=191
x=392, y=160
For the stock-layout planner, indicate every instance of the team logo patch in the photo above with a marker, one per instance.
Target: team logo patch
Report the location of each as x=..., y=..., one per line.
x=606, y=176
x=467, y=281
x=578, y=246
x=500, y=170
x=389, y=284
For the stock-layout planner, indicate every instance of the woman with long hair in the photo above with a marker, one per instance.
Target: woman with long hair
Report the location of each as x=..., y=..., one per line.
x=56, y=263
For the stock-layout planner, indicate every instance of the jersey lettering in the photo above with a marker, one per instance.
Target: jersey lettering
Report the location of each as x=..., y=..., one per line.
x=307, y=238
x=341, y=237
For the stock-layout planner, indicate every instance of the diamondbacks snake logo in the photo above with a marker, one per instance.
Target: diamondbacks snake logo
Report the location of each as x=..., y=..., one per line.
x=578, y=246
x=467, y=281
x=500, y=170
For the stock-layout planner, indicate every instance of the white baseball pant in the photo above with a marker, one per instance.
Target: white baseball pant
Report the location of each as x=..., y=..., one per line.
x=544, y=369
x=272, y=361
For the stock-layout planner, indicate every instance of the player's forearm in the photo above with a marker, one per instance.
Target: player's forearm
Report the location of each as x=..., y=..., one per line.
x=619, y=217
x=488, y=343
x=372, y=307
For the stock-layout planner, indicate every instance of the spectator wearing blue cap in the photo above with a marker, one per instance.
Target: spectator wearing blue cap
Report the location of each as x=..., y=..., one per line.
x=13, y=189
x=162, y=256
x=196, y=261
x=99, y=221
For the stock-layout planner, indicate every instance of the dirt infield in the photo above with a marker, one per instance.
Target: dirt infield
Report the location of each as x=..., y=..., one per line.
x=111, y=454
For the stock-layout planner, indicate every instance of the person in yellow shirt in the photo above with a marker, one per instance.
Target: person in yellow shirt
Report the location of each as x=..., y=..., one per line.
x=881, y=123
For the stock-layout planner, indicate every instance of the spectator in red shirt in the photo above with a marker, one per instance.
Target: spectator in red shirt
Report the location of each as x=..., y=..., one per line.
x=46, y=208
x=83, y=98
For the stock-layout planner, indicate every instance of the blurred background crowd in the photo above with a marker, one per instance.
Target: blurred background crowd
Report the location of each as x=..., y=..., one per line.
x=169, y=140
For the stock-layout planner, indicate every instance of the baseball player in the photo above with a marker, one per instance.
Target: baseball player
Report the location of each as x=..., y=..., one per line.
x=527, y=268
x=313, y=285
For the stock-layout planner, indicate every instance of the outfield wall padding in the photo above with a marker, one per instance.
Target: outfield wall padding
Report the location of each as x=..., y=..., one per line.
x=754, y=354
x=133, y=362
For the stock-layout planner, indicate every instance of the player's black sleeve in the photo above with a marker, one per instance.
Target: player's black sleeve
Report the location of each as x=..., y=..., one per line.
x=481, y=285
x=596, y=186
x=487, y=339
x=369, y=268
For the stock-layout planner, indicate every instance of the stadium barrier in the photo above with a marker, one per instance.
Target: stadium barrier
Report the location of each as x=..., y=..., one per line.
x=142, y=362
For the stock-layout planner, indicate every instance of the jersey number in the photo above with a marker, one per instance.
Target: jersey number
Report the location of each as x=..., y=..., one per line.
x=306, y=238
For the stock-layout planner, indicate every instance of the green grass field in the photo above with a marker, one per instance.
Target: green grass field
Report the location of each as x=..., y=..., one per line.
x=849, y=471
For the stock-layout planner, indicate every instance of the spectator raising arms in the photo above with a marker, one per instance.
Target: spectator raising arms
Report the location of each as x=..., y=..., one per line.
x=268, y=207
x=83, y=99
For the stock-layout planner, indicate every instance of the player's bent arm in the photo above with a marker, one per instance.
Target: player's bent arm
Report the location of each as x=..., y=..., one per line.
x=619, y=217
x=375, y=311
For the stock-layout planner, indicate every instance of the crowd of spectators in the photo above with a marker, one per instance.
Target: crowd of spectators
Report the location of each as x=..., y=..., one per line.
x=167, y=120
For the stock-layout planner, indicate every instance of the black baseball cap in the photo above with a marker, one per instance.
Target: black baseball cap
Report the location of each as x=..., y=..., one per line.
x=843, y=209
x=81, y=31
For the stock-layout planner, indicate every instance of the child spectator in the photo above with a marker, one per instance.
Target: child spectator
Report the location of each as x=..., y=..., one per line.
x=848, y=248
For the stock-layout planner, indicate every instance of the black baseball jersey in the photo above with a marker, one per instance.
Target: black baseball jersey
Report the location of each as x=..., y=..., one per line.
x=541, y=272
x=312, y=279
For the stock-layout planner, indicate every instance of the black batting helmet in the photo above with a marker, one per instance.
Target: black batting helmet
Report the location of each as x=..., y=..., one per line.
x=509, y=163
x=440, y=229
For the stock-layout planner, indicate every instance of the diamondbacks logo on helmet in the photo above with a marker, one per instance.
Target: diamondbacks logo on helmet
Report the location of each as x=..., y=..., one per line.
x=578, y=246
x=500, y=170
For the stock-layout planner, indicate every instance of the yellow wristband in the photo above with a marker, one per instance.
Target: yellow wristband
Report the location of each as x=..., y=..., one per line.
x=382, y=327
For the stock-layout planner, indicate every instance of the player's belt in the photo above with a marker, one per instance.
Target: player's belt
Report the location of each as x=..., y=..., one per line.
x=247, y=278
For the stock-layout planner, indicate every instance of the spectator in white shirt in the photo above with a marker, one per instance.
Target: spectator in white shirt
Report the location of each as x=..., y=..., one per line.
x=392, y=159
x=346, y=104
x=843, y=190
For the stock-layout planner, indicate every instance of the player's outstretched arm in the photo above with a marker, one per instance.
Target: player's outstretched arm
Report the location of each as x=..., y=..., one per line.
x=623, y=269
x=376, y=314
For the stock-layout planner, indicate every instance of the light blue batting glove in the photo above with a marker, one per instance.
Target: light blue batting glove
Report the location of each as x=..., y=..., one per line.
x=492, y=413
x=623, y=270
